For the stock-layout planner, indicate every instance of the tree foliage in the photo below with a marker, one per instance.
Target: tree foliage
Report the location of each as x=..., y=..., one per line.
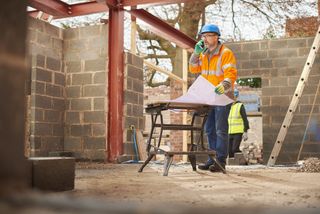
x=242, y=17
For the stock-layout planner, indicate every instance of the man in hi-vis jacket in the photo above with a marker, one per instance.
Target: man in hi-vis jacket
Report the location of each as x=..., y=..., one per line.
x=215, y=62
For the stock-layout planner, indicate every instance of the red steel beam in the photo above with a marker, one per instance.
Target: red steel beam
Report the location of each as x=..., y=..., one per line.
x=76, y=10
x=165, y=30
x=52, y=7
x=87, y=8
x=34, y=14
x=115, y=86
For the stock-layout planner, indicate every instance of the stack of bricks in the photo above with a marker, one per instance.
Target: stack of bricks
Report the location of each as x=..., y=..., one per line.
x=252, y=152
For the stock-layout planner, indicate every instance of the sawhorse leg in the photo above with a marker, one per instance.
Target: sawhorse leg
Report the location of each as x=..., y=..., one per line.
x=147, y=161
x=193, y=161
x=167, y=163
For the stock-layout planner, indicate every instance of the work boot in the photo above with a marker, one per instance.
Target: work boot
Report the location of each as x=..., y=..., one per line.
x=205, y=166
x=216, y=168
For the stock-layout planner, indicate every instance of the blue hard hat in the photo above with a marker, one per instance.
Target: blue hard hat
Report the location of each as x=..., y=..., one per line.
x=210, y=28
x=236, y=92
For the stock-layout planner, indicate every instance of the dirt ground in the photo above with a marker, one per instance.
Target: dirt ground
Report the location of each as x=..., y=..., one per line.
x=254, y=186
x=119, y=188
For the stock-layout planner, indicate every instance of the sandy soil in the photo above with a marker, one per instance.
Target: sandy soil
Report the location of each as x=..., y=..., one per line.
x=243, y=186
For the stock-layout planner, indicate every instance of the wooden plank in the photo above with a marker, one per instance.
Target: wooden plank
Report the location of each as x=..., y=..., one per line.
x=141, y=145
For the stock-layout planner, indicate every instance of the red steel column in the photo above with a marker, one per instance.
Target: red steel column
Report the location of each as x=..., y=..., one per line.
x=115, y=83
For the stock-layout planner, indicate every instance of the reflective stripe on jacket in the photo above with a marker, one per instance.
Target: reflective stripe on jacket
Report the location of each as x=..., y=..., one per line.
x=235, y=120
x=217, y=67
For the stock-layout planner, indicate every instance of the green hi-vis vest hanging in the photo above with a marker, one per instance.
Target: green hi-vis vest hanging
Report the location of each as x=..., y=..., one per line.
x=235, y=120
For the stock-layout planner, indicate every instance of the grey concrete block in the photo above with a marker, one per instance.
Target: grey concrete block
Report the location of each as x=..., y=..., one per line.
x=279, y=82
x=95, y=65
x=58, y=129
x=52, y=116
x=52, y=30
x=73, y=66
x=297, y=43
x=94, y=90
x=53, y=64
x=61, y=154
x=76, y=45
x=57, y=43
x=39, y=101
x=288, y=52
x=54, y=91
x=43, y=38
x=270, y=91
x=98, y=103
x=264, y=45
x=88, y=31
x=37, y=115
x=252, y=46
x=51, y=143
x=134, y=72
x=58, y=104
x=94, y=117
x=71, y=33
x=73, y=91
x=59, y=79
x=94, y=155
x=98, y=129
x=280, y=100
x=236, y=47
x=41, y=129
x=278, y=44
x=266, y=63
x=131, y=121
x=53, y=173
x=81, y=79
x=72, y=143
x=72, y=117
x=280, y=63
x=131, y=97
x=99, y=77
x=35, y=142
x=81, y=104
x=258, y=55
x=40, y=61
x=80, y=130
x=93, y=53
x=93, y=143
x=42, y=75
x=137, y=85
x=250, y=64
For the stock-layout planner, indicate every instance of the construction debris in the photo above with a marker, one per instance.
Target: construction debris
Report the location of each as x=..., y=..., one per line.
x=310, y=165
x=252, y=152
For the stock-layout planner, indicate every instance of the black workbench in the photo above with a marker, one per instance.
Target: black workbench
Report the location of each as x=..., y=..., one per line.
x=198, y=111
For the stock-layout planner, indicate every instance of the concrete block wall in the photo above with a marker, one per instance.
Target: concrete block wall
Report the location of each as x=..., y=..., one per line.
x=47, y=102
x=133, y=101
x=279, y=63
x=85, y=63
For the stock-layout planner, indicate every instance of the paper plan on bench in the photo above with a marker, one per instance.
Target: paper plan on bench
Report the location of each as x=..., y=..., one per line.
x=202, y=92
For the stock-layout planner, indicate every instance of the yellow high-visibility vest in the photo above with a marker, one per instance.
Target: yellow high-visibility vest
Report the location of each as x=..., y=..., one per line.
x=235, y=120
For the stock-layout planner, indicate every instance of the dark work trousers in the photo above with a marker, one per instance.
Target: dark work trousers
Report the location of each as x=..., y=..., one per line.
x=234, y=143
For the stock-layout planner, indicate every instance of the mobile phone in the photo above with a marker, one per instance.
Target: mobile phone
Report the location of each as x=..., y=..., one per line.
x=202, y=44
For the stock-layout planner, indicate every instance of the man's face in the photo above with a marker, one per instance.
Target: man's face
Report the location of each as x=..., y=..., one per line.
x=210, y=39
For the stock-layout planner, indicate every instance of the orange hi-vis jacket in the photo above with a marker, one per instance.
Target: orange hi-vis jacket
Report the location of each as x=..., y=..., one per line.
x=220, y=66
